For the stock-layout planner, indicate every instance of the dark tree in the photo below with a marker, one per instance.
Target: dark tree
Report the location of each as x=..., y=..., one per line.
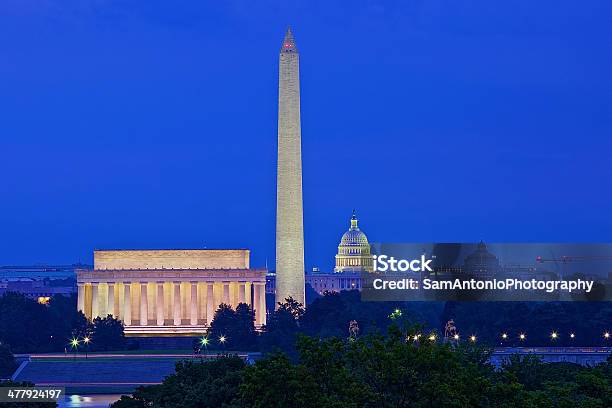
x=107, y=334
x=7, y=362
x=587, y=320
x=29, y=327
x=245, y=328
x=196, y=384
x=379, y=371
x=282, y=327
x=236, y=327
x=25, y=325
x=67, y=321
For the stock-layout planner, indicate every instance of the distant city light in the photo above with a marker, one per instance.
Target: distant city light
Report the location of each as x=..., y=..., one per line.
x=432, y=337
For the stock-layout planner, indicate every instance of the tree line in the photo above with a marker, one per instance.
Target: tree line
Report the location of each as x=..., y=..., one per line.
x=378, y=370
x=29, y=327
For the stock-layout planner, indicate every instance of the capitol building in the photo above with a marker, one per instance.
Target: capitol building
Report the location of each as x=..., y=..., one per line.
x=354, y=250
x=353, y=258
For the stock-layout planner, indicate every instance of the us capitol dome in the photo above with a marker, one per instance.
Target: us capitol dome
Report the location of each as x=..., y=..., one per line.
x=354, y=250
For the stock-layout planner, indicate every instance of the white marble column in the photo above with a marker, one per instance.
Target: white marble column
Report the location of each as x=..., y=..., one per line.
x=241, y=294
x=247, y=293
x=144, y=305
x=194, y=303
x=127, y=304
x=210, y=302
x=95, y=301
x=226, y=296
x=110, y=307
x=176, y=303
x=81, y=297
x=260, y=303
x=160, y=303
x=233, y=294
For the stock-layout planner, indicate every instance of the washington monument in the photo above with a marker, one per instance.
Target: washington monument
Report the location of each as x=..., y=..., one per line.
x=289, y=218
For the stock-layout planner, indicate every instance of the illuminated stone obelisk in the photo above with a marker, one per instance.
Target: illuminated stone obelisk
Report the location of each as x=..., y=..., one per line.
x=289, y=217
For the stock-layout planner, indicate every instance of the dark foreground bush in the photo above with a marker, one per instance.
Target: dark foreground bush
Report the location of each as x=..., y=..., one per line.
x=378, y=371
x=7, y=362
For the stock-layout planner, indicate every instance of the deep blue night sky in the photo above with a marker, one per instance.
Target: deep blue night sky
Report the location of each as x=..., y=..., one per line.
x=153, y=124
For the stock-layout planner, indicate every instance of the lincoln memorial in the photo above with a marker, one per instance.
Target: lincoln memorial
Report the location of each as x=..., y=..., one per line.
x=169, y=292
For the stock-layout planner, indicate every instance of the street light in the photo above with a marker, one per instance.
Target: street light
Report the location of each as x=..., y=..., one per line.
x=606, y=335
x=222, y=339
x=75, y=345
x=204, y=341
x=572, y=335
x=554, y=335
x=522, y=336
x=86, y=340
x=456, y=337
x=473, y=338
x=504, y=336
x=432, y=337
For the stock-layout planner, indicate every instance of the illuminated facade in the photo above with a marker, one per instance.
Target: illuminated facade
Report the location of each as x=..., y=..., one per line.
x=354, y=251
x=169, y=292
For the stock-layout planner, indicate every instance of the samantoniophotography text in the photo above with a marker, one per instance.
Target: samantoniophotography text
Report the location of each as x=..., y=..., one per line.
x=292, y=204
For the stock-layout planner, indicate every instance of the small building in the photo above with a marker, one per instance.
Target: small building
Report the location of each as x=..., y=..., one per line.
x=334, y=282
x=40, y=290
x=39, y=282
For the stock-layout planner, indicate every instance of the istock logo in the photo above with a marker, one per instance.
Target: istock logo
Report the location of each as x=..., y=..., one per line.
x=384, y=263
